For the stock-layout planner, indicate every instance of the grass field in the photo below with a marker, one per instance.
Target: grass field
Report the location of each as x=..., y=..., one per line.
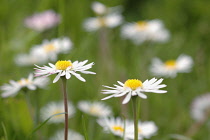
x=188, y=24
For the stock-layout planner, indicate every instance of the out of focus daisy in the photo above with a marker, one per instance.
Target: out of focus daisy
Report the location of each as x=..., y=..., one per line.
x=109, y=21
x=142, y=31
x=42, y=21
x=29, y=83
x=47, y=51
x=145, y=129
x=200, y=108
x=170, y=68
x=134, y=87
x=72, y=135
x=54, y=108
x=101, y=9
x=65, y=68
x=97, y=109
x=113, y=125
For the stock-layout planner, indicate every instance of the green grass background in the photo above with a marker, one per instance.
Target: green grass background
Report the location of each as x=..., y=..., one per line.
x=188, y=23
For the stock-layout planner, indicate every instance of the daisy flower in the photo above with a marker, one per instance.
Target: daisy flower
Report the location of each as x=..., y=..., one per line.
x=134, y=87
x=145, y=129
x=47, y=51
x=110, y=21
x=29, y=83
x=200, y=108
x=97, y=109
x=142, y=31
x=65, y=68
x=55, y=108
x=113, y=125
x=42, y=21
x=170, y=68
x=72, y=135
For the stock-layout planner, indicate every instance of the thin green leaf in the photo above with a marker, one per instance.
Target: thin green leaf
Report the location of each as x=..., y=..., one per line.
x=84, y=128
x=179, y=137
x=5, y=131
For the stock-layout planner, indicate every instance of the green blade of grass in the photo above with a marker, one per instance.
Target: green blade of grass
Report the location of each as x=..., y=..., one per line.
x=84, y=128
x=5, y=131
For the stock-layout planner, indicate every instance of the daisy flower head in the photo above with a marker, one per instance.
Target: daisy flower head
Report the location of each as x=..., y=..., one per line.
x=109, y=21
x=53, y=108
x=113, y=125
x=72, y=135
x=141, y=31
x=97, y=109
x=134, y=87
x=42, y=21
x=145, y=130
x=200, y=108
x=170, y=68
x=29, y=83
x=65, y=68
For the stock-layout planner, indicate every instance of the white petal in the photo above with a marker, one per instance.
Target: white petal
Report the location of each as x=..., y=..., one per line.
x=108, y=97
x=141, y=95
x=78, y=76
x=68, y=75
x=57, y=77
x=127, y=98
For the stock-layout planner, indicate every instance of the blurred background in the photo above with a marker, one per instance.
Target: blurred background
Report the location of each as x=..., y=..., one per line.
x=188, y=25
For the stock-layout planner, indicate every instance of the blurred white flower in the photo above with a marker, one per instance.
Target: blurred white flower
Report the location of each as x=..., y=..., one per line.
x=65, y=68
x=72, y=135
x=200, y=108
x=110, y=21
x=53, y=108
x=145, y=129
x=134, y=87
x=30, y=83
x=42, y=21
x=142, y=31
x=98, y=109
x=170, y=68
x=47, y=51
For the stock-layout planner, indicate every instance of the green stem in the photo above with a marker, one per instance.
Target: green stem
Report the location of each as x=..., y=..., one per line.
x=65, y=107
x=135, y=117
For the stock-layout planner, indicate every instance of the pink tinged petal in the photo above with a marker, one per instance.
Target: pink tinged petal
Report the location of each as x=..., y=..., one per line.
x=141, y=95
x=127, y=98
x=68, y=75
x=57, y=78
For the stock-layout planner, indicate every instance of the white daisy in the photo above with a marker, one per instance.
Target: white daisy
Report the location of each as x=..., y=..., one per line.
x=113, y=125
x=145, y=129
x=97, y=109
x=72, y=135
x=110, y=21
x=55, y=108
x=30, y=83
x=42, y=21
x=200, y=108
x=65, y=68
x=47, y=51
x=134, y=87
x=170, y=68
x=142, y=31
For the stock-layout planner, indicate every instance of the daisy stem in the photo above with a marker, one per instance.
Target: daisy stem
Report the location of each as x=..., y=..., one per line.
x=65, y=107
x=135, y=117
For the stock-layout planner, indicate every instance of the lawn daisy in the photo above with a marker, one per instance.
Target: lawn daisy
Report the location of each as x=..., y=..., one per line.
x=42, y=21
x=29, y=83
x=55, y=108
x=142, y=31
x=113, y=125
x=95, y=23
x=134, y=87
x=65, y=68
x=200, y=108
x=170, y=68
x=72, y=135
x=97, y=109
x=145, y=129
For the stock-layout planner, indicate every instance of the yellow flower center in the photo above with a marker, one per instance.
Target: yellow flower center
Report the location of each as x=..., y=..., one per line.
x=133, y=84
x=102, y=22
x=118, y=128
x=62, y=65
x=57, y=112
x=49, y=48
x=94, y=110
x=23, y=82
x=170, y=64
x=141, y=25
